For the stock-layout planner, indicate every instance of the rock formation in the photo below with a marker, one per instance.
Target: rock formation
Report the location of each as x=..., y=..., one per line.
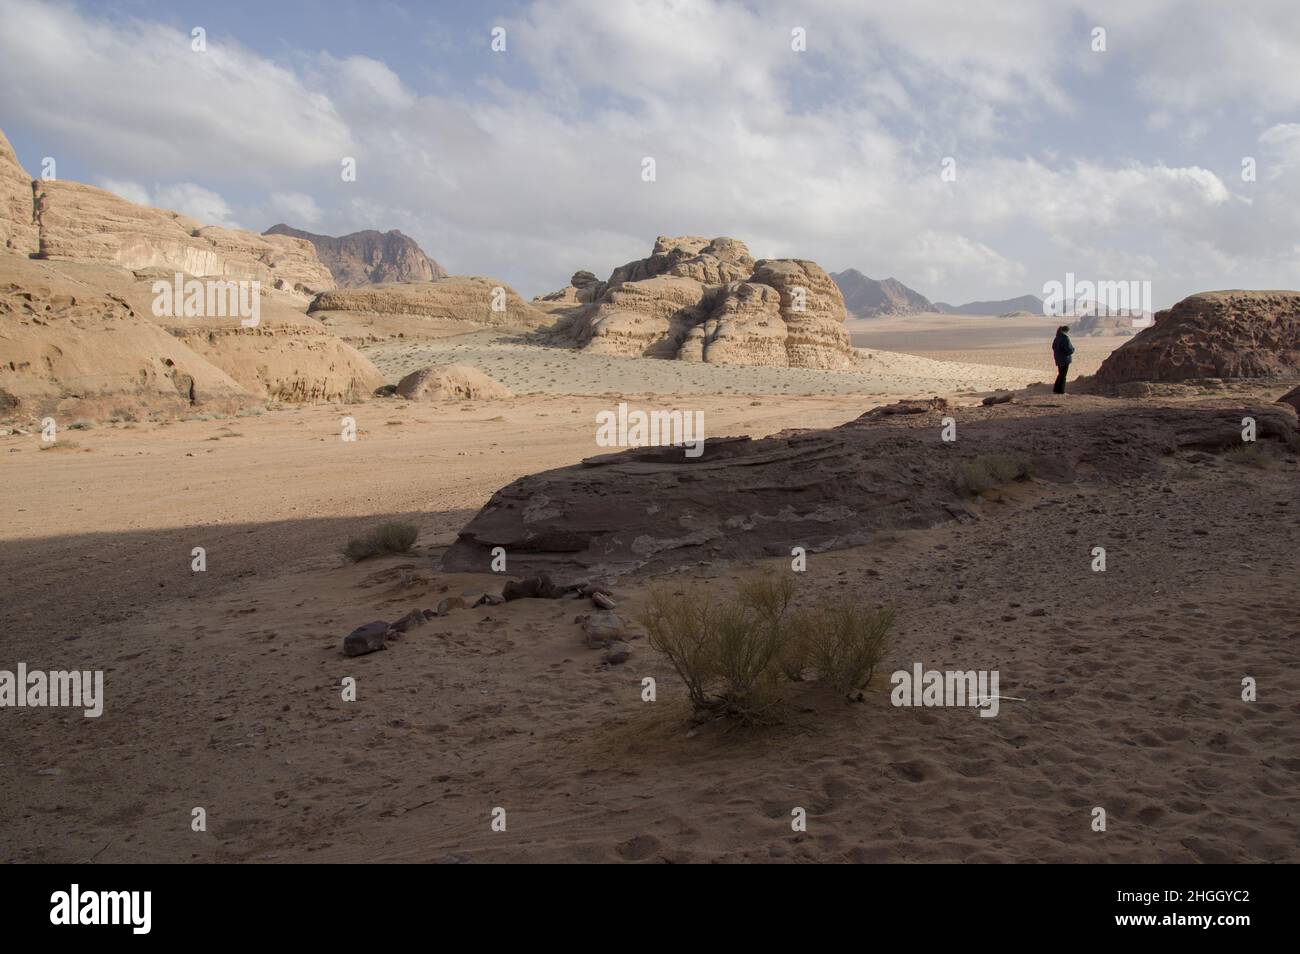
x=1027, y=305
x=17, y=224
x=82, y=339
x=1291, y=399
x=581, y=290
x=1223, y=334
x=743, y=499
x=468, y=299
x=80, y=223
x=457, y=382
x=368, y=257
x=699, y=299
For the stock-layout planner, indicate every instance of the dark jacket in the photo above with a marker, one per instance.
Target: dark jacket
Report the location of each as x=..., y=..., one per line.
x=1062, y=349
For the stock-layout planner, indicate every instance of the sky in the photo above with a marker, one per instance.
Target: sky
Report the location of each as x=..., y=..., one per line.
x=972, y=149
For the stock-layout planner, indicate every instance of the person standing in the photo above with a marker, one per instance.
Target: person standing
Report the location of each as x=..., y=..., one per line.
x=1062, y=353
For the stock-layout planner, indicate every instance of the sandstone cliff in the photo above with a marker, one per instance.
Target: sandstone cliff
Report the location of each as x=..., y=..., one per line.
x=17, y=224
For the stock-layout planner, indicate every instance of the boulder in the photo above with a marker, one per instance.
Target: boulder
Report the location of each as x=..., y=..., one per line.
x=366, y=639
x=368, y=257
x=1291, y=399
x=455, y=382
x=1224, y=334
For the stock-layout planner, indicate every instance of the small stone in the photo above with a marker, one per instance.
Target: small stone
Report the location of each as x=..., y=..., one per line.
x=366, y=639
x=448, y=604
x=603, y=628
x=413, y=618
x=618, y=653
x=603, y=600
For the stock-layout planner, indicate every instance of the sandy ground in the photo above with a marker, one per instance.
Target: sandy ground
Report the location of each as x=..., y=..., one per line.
x=222, y=688
x=528, y=368
x=1010, y=342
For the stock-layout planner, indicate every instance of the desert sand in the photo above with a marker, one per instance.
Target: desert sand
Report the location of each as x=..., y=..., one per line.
x=222, y=688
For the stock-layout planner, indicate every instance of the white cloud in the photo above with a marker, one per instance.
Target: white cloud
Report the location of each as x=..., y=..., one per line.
x=195, y=201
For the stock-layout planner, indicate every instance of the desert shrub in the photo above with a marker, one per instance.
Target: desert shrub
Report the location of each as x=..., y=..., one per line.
x=981, y=474
x=734, y=655
x=1251, y=455
x=846, y=644
x=391, y=537
x=82, y=425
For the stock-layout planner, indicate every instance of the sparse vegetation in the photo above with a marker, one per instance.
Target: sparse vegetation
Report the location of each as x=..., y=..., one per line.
x=81, y=425
x=391, y=537
x=1251, y=455
x=734, y=655
x=987, y=471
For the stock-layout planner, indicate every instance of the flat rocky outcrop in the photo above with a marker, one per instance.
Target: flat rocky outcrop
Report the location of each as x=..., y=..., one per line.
x=707, y=300
x=1223, y=334
x=368, y=257
x=461, y=298
x=655, y=508
x=18, y=231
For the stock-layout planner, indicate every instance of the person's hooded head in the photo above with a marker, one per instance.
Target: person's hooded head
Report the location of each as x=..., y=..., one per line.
x=1063, y=329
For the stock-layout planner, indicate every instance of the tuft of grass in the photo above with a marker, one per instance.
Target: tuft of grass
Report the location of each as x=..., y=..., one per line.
x=735, y=655
x=1252, y=455
x=391, y=537
x=981, y=474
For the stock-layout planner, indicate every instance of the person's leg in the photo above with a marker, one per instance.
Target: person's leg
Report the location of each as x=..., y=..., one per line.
x=1059, y=387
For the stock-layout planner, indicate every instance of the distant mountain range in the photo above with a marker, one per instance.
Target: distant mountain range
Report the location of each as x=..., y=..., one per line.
x=369, y=257
x=868, y=298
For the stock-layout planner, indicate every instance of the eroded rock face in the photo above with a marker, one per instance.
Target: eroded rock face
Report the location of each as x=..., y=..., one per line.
x=17, y=229
x=707, y=300
x=80, y=223
x=1291, y=399
x=84, y=337
x=456, y=382
x=655, y=508
x=1225, y=334
x=467, y=298
x=369, y=257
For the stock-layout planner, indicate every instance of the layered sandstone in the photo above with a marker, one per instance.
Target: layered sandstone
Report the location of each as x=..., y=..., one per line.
x=468, y=299
x=698, y=299
x=369, y=257
x=80, y=223
x=1223, y=334
x=17, y=225
x=85, y=337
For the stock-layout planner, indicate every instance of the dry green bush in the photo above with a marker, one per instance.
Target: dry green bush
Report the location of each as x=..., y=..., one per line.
x=981, y=474
x=734, y=655
x=391, y=537
x=847, y=643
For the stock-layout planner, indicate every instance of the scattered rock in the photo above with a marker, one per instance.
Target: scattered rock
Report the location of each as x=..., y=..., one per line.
x=1006, y=398
x=450, y=603
x=618, y=652
x=603, y=628
x=413, y=618
x=539, y=587
x=603, y=601
x=366, y=639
